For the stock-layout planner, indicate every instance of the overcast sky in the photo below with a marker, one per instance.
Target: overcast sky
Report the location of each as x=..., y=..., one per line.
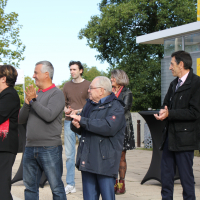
x=50, y=30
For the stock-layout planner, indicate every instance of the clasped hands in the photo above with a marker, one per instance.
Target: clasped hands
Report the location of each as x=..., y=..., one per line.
x=163, y=114
x=76, y=120
x=30, y=93
x=69, y=112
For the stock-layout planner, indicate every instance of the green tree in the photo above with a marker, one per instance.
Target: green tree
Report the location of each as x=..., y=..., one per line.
x=113, y=35
x=30, y=81
x=20, y=90
x=91, y=72
x=11, y=47
x=63, y=83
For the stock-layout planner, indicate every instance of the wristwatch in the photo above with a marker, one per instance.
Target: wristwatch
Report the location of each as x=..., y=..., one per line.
x=32, y=100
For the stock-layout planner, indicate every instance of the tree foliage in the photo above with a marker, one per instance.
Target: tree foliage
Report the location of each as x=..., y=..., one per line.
x=63, y=83
x=20, y=90
x=113, y=35
x=91, y=72
x=11, y=47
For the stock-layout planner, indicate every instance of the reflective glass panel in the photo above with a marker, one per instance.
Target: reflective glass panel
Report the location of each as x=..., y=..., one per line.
x=172, y=45
x=192, y=42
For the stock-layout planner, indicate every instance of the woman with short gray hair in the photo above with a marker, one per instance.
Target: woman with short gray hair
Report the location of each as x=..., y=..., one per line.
x=119, y=80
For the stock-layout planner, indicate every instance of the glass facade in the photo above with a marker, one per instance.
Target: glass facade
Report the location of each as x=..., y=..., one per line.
x=172, y=45
x=190, y=44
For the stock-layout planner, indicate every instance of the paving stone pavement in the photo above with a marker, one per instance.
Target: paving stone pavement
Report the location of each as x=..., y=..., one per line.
x=138, y=162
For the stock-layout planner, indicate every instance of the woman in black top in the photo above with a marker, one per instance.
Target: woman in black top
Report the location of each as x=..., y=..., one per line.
x=119, y=80
x=9, y=109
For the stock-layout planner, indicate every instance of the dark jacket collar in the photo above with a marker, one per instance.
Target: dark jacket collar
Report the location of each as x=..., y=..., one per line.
x=189, y=78
x=186, y=84
x=110, y=98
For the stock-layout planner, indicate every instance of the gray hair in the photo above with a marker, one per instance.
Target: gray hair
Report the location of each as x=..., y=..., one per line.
x=46, y=67
x=104, y=82
x=120, y=76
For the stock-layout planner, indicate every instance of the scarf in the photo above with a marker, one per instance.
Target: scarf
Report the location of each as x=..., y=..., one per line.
x=119, y=91
x=4, y=129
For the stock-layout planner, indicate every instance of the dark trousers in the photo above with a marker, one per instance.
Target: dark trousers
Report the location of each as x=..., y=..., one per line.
x=6, y=163
x=95, y=184
x=184, y=161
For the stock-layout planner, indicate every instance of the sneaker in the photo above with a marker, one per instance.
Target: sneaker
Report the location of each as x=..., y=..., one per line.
x=70, y=189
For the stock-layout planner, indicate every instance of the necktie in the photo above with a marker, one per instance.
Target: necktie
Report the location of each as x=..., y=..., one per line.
x=178, y=85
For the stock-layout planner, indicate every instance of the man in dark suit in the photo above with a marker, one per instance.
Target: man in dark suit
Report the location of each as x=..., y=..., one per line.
x=181, y=136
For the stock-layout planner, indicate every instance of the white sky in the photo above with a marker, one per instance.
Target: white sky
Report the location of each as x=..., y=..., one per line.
x=50, y=30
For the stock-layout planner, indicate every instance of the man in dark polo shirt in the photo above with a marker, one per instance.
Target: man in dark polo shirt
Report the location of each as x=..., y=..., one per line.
x=42, y=111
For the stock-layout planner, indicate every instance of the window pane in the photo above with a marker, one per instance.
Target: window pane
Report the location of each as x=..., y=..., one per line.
x=172, y=45
x=192, y=42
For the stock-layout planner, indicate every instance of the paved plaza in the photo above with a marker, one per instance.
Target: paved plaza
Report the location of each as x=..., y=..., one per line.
x=138, y=163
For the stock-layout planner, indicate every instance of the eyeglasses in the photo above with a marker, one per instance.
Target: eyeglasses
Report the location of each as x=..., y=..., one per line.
x=95, y=88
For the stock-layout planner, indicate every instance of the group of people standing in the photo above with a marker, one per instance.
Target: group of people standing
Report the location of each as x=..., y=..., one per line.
x=97, y=112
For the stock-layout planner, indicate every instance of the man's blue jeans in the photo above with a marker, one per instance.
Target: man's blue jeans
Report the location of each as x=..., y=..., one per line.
x=70, y=151
x=39, y=159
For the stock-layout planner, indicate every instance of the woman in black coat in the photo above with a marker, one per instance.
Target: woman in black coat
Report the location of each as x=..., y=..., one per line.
x=119, y=80
x=9, y=110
